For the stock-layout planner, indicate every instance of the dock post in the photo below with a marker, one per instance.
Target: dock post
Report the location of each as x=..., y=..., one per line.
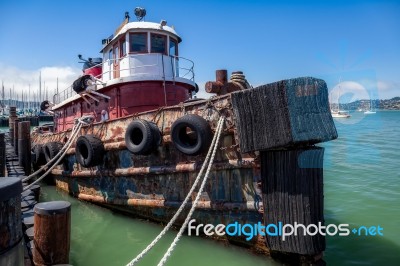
x=36, y=192
x=11, y=118
x=11, y=244
x=292, y=186
x=52, y=233
x=2, y=155
x=24, y=146
x=15, y=144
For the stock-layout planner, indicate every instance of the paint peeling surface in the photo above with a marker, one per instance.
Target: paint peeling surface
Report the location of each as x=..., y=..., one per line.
x=154, y=186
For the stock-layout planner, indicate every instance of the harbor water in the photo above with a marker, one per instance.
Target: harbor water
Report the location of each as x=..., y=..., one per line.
x=362, y=188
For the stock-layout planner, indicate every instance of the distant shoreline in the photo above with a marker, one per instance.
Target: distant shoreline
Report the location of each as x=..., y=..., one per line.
x=388, y=104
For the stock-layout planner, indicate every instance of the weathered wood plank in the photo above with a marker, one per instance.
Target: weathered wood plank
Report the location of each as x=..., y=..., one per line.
x=283, y=114
x=292, y=185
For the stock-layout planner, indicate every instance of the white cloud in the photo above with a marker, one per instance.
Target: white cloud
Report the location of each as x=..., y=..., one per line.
x=23, y=79
x=364, y=90
x=388, y=89
x=202, y=93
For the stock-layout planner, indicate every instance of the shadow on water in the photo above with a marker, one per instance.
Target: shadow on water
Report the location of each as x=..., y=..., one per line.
x=104, y=237
x=359, y=250
x=340, y=250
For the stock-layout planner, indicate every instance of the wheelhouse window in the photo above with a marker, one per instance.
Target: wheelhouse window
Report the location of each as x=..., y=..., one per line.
x=122, y=47
x=138, y=42
x=158, y=43
x=110, y=56
x=116, y=54
x=173, y=47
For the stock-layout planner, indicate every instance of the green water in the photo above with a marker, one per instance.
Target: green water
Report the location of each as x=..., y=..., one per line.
x=102, y=237
x=362, y=187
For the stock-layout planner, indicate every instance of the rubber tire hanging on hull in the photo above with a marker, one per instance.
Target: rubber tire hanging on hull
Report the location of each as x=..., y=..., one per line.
x=194, y=142
x=142, y=137
x=39, y=158
x=51, y=149
x=81, y=84
x=89, y=151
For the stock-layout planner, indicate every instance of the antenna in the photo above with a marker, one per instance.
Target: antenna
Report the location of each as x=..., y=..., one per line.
x=140, y=13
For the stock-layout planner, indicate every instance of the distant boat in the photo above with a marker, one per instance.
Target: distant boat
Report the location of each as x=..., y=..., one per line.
x=370, y=111
x=338, y=113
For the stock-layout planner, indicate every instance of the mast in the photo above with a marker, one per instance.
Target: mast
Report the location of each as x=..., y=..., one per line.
x=2, y=94
x=29, y=97
x=57, y=97
x=40, y=85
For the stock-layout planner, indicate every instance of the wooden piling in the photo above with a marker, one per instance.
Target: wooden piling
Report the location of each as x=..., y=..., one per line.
x=36, y=192
x=16, y=122
x=24, y=146
x=10, y=221
x=292, y=185
x=52, y=233
x=11, y=118
x=2, y=155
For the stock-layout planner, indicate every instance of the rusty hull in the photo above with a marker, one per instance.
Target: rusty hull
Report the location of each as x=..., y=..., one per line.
x=155, y=185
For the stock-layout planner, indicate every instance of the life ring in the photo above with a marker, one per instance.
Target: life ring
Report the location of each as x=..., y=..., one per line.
x=51, y=149
x=142, y=137
x=191, y=134
x=89, y=151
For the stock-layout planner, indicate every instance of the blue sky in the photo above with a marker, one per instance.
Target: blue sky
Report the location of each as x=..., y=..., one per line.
x=356, y=42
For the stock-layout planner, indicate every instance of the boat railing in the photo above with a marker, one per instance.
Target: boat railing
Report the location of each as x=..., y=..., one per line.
x=171, y=66
x=167, y=67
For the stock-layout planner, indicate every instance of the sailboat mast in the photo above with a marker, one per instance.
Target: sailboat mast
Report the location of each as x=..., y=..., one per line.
x=2, y=94
x=29, y=97
x=56, y=93
x=40, y=86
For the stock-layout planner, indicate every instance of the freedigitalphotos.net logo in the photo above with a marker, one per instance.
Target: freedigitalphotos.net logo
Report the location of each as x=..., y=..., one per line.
x=280, y=230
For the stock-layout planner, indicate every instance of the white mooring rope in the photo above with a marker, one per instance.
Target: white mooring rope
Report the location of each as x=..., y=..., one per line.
x=54, y=158
x=214, y=144
x=59, y=159
x=85, y=120
x=183, y=227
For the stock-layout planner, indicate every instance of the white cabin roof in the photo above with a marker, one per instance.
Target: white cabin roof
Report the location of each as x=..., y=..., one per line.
x=142, y=25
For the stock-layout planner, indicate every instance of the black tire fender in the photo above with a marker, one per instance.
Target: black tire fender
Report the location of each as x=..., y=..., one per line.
x=191, y=134
x=51, y=149
x=39, y=157
x=142, y=137
x=89, y=151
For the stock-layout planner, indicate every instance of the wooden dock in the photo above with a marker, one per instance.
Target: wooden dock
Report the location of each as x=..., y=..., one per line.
x=28, y=200
x=22, y=211
x=34, y=120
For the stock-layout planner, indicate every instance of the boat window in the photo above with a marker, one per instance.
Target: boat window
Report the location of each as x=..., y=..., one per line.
x=110, y=57
x=122, y=47
x=173, y=47
x=158, y=43
x=138, y=42
x=116, y=53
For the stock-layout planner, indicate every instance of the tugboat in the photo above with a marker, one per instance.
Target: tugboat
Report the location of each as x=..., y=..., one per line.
x=138, y=136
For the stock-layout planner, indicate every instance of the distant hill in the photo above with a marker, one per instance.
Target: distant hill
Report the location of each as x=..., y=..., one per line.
x=389, y=104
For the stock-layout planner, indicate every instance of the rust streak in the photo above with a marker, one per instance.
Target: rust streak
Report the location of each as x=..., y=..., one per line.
x=189, y=167
x=162, y=203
